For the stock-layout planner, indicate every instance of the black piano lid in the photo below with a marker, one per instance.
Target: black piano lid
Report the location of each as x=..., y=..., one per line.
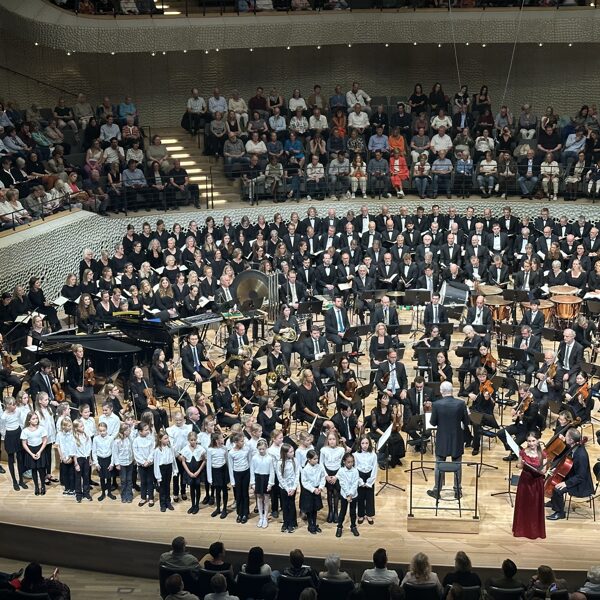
x=96, y=343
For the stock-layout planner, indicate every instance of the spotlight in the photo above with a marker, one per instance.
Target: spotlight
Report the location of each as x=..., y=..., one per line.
x=414, y=43
x=251, y=49
x=540, y=44
x=439, y=45
x=216, y=49
x=206, y=52
x=349, y=45
x=467, y=44
x=318, y=47
x=68, y=54
x=288, y=48
x=112, y=53
x=387, y=45
x=36, y=44
x=185, y=51
x=483, y=45
x=153, y=53
x=570, y=45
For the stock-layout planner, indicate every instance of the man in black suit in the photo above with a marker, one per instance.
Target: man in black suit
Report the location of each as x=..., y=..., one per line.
x=336, y=325
x=450, y=252
x=497, y=272
x=394, y=372
x=496, y=241
x=546, y=388
x=578, y=481
x=235, y=344
x=192, y=356
x=475, y=248
x=306, y=274
x=311, y=220
x=467, y=223
x=329, y=238
x=314, y=348
x=450, y=417
x=462, y=119
x=291, y=239
x=42, y=381
x=435, y=313
x=345, y=274
x=325, y=276
x=313, y=241
x=384, y=313
x=369, y=236
x=293, y=291
x=360, y=284
x=411, y=235
x=388, y=269
x=345, y=422
x=428, y=281
x=347, y=236
x=570, y=357
x=417, y=402
x=223, y=294
x=363, y=220
x=530, y=343
x=480, y=314
x=527, y=280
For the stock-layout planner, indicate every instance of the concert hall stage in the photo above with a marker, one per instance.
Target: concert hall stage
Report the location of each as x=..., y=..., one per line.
x=123, y=538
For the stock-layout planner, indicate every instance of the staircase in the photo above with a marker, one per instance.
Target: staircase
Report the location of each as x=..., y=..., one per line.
x=183, y=146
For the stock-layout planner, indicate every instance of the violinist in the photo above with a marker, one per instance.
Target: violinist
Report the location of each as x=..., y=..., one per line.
x=163, y=380
x=344, y=376
x=277, y=361
x=79, y=379
x=192, y=356
x=525, y=416
x=482, y=397
x=418, y=401
x=315, y=348
x=433, y=341
x=578, y=399
x=530, y=343
x=205, y=410
x=227, y=414
x=244, y=384
x=569, y=357
x=382, y=416
x=488, y=361
x=441, y=369
x=43, y=381
x=379, y=344
x=143, y=399
x=267, y=417
x=7, y=378
x=547, y=385
x=469, y=363
x=578, y=481
x=345, y=422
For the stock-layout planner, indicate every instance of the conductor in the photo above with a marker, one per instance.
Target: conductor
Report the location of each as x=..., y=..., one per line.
x=450, y=416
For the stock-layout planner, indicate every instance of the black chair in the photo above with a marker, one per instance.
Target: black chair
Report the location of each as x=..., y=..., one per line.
x=472, y=592
x=250, y=585
x=203, y=581
x=291, y=587
x=592, y=596
x=498, y=593
x=428, y=591
x=376, y=591
x=188, y=576
x=26, y=596
x=557, y=595
x=335, y=590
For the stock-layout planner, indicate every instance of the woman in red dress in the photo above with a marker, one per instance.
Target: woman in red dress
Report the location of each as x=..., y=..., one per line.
x=529, y=518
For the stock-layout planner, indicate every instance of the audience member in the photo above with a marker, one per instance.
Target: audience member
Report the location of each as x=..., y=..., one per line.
x=175, y=591
x=380, y=573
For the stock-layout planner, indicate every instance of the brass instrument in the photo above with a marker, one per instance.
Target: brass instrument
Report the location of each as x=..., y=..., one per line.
x=244, y=354
x=286, y=334
x=272, y=378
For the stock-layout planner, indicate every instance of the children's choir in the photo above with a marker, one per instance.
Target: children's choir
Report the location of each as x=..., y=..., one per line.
x=278, y=474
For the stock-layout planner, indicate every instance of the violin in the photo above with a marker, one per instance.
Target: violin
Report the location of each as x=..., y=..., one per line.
x=6, y=360
x=324, y=403
x=89, y=378
x=171, y=380
x=149, y=393
x=583, y=393
x=560, y=471
x=396, y=418
x=488, y=361
x=258, y=388
x=523, y=406
x=59, y=393
x=350, y=388
x=552, y=370
x=487, y=387
x=286, y=421
x=235, y=398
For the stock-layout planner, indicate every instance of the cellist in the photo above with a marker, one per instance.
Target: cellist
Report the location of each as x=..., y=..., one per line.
x=482, y=397
x=577, y=482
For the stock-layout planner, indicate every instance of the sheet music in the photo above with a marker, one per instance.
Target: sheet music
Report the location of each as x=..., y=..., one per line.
x=428, y=424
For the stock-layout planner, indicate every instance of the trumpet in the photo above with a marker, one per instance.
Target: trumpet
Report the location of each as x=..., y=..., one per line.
x=287, y=334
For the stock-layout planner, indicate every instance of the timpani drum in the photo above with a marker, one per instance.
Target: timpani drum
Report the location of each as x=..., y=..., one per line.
x=563, y=290
x=566, y=307
x=546, y=307
x=499, y=306
x=490, y=290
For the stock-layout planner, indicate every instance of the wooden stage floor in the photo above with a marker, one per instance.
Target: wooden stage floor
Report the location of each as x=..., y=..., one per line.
x=569, y=544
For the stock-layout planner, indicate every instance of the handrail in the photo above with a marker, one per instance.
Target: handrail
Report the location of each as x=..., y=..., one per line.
x=65, y=200
x=39, y=81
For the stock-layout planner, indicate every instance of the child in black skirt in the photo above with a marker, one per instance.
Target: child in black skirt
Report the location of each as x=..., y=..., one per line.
x=10, y=430
x=165, y=467
x=217, y=472
x=34, y=439
x=193, y=462
x=312, y=479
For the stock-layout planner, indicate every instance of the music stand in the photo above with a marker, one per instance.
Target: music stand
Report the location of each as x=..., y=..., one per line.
x=506, y=330
x=417, y=298
x=501, y=382
x=418, y=423
x=552, y=335
x=515, y=296
x=466, y=352
x=328, y=360
x=455, y=311
x=430, y=355
x=512, y=354
x=511, y=482
x=476, y=418
x=383, y=440
x=398, y=329
x=373, y=294
x=360, y=395
x=480, y=329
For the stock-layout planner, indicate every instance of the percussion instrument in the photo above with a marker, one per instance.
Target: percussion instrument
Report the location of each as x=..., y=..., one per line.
x=566, y=307
x=250, y=289
x=546, y=307
x=490, y=290
x=499, y=306
x=563, y=290
x=454, y=293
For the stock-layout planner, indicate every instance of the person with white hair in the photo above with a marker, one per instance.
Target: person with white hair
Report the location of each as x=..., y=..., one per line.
x=591, y=585
x=332, y=572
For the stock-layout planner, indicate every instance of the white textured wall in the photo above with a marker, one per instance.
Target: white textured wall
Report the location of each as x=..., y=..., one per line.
x=555, y=74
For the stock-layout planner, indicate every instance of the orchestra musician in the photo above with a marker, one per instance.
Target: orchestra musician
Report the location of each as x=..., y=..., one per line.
x=579, y=400
x=435, y=313
x=530, y=343
x=227, y=413
x=427, y=343
x=192, y=356
x=497, y=273
x=481, y=315
x=315, y=348
x=346, y=423
x=577, y=482
x=534, y=317
x=470, y=363
x=287, y=322
x=379, y=343
x=362, y=283
x=391, y=378
x=77, y=379
x=143, y=399
x=162, y=376
x=383, y=416
x=337, y=325
x=418, y=401
x=292, y=292
x=35, y=336
x=525, y=416
x=569, y=358
x=308, y=399
x=7, y=376
x=40, y=304
x=43, y=380
x=547, y=385
x=238, y=347
x=244, y=381
x=441, y=369
x=482, y=397
x=384, y=313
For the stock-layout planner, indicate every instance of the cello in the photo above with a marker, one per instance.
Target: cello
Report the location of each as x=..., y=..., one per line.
x=560, y=470
x=556, y=444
